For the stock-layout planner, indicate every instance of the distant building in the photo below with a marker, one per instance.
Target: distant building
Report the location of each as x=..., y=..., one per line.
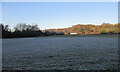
x=66, y=33
x=73, y=33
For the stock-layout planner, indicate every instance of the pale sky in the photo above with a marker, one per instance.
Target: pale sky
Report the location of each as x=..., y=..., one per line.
x=59, y=14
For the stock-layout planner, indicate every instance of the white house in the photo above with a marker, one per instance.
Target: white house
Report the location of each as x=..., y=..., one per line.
x=73, y=33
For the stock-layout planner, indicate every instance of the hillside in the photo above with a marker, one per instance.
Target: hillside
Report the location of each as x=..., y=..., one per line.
x=88, y=29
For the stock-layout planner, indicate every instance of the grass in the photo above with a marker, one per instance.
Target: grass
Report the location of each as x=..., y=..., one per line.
x=101, y=35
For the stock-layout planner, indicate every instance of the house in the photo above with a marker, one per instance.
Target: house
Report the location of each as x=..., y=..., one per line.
x=73, y=33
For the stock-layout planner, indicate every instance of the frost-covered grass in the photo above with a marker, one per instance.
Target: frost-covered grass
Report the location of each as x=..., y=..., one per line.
x=60, y=53
x=78, y=35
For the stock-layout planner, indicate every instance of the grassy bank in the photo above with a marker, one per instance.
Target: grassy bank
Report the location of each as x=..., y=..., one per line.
x=101, y=35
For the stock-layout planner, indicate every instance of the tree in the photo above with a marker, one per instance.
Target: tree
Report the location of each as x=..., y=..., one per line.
x=103, y=31
x=24, y=27
x=20, y=27
x=6, y=28
x=35, y=28
x=1, y=27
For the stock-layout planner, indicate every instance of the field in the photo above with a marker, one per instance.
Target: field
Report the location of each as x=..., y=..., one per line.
x=79, y=35
x=61, y=53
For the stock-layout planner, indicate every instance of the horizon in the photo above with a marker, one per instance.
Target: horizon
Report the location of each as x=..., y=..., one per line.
x=65, y=27
x=78, y=24
x=51, y=15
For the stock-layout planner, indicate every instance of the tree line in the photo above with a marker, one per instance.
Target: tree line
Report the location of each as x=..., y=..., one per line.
x=26, y=30
x=20, y=30
x=23, y=30
x=105, y=28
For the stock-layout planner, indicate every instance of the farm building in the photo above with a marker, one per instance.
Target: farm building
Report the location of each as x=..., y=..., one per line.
x=73, y=33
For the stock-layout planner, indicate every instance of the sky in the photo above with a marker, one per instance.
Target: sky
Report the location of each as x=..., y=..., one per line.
x=49, y=15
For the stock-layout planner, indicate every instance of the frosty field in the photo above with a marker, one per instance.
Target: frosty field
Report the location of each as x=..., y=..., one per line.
x=60, y=53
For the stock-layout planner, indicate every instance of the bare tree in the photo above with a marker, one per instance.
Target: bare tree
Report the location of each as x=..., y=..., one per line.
x=21, y=27
x=24, y=27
